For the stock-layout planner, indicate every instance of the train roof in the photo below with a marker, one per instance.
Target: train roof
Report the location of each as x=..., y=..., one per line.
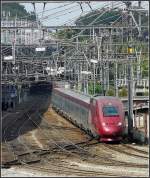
x=83, y=97
x=74, y=94
x=106, y=97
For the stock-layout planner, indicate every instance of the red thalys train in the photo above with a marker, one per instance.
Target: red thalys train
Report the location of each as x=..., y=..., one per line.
x=101, y=116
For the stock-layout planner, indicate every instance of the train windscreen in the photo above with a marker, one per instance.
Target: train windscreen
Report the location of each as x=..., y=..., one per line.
x=110, y=111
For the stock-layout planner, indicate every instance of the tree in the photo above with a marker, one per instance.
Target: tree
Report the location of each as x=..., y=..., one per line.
x=107, y=18
x=66, y=33
x=17, y=10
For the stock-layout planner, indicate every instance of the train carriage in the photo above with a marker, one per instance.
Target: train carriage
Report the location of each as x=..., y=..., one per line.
x=101, y=116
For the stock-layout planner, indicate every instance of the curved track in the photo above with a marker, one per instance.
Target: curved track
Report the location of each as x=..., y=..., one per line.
x=39, y=159
x=125, y=150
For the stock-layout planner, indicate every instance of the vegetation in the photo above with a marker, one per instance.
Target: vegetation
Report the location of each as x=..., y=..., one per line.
x=123, y=92
x=110, y=92
x=17, y=10
x=66, y=33
x=98, y=88
x=145, y=68
x=146, y=93
x=106, y=18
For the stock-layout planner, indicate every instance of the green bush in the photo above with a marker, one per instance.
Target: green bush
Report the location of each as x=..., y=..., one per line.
x=123, y=92
x=145, y=67
x=110, y=92
x=98, y=88
x=146, y=93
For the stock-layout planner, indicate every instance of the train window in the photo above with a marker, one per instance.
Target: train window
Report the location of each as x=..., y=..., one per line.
x=110, y=111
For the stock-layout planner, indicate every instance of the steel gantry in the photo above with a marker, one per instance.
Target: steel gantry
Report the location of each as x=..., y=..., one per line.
x=70, y=59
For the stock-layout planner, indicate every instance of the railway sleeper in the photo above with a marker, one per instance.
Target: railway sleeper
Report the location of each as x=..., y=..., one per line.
x=76, y=149
x=5, y=166
x=28, y=159
x=36, y=152
x=70, y=147
x=9, y=163
x=43, y=152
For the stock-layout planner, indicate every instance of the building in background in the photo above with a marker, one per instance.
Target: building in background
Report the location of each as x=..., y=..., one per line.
x=29, y=33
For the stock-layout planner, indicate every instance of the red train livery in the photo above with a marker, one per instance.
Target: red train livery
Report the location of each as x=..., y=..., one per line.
x=100, y=116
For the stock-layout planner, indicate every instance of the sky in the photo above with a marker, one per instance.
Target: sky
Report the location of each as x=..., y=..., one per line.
x=67, y=13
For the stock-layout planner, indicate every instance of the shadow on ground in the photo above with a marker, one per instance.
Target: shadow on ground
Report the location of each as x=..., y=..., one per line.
x=26, y=118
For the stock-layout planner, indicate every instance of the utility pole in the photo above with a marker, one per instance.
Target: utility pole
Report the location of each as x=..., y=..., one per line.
x=94, y=81
x=13, y=48
x=107, y=70
x=6, y=29
x=78, y=75
x=138, y=66
x=77, y=43
x=99, y=41
x=116, y=79
x=130, y=74
x=102, y=67
x=87, y=80
x=93, y=34
x=139, y=5
x=139, y=53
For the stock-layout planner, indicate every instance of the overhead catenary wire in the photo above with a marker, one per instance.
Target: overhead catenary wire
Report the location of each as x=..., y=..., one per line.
x=68, y=42
x=92, y=22
x=75, y=16
x=51, y=9
x=71, y=20
x=43, y=9
x=60, y=15
x=80, y=14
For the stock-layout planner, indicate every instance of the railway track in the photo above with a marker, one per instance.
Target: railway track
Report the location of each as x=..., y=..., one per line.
x=57, y=168
x=135, y=149
x=94, y=156
x=37, y=156
x=122, y=149
x=68, y=144
x=28, y=157
x=20, y=151
x=109, y=160
x=65, y=169
x=16, y=147
x=8, y=131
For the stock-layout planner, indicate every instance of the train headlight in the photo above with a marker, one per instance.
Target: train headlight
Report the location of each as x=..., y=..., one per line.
x=120, y=123
x=107, y=129
x=103, y=123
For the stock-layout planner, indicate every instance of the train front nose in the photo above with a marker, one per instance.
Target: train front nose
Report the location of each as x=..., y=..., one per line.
x=113, y=129
x=111, y=134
